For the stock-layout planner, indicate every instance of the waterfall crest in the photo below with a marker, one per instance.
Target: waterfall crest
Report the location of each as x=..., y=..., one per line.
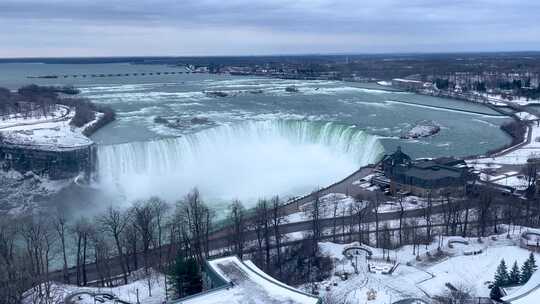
x=246, y=160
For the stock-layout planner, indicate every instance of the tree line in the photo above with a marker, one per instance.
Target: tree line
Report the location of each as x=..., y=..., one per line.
x=514, y=277
x=176, y=239
x=151, y=235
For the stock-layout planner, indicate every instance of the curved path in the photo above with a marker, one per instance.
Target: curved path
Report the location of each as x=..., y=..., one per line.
x=38, y=122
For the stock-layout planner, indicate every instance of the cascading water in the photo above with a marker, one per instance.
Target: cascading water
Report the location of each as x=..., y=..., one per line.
x=247, y=161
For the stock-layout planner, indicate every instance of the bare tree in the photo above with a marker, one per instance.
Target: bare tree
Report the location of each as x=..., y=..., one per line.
x=15, y=268
x=277, y=220
x=130, y=240
x=260, y=226
x=335, y=204
x=81, y=230
x=531, y=172
x=466, y=219
x=484, y=204
x=144, y=220
x=197, y=217
x=102, y=256
x=315, y=222
x=114, y=222
x=161, y=209
x=360, y=210
x=39, y=238
x=376, y=212
x=461, y=294
x=262, y=213
x=60, y=225
x=428, y=212
x=401, y=214
x=386, y=240
x=236, y=217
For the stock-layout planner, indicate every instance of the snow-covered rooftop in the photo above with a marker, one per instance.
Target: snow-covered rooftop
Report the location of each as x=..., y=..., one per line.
x=248, y=284
x=526, y=116
x=526, y=294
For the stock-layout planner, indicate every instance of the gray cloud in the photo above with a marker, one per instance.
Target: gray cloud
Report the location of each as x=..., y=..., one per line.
x=113, y=27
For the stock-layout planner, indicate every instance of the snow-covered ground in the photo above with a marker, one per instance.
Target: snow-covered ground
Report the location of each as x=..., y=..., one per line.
x=508, y=178
x=409, y=203
x=33, y=117
x=517, y=100
x=339, y=204
x=422, y=278
x=330, y=203
x=472, y=270
x=515, y=157
x=128, y=293
x=49, y=134
x=526, y=116
x=529, y=293
x=518, y=182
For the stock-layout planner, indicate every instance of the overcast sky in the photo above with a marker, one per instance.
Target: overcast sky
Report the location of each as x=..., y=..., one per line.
x=56, y=28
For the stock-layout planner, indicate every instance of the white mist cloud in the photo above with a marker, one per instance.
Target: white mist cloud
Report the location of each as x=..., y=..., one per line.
x=247, y=161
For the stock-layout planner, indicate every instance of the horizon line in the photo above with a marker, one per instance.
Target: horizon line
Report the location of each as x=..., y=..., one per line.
x=268, y=55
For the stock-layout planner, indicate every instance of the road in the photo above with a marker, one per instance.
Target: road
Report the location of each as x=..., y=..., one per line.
x=220, y=243
x=220, y=239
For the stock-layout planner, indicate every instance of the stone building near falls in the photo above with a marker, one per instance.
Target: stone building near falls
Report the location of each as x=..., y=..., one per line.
x=425, y=177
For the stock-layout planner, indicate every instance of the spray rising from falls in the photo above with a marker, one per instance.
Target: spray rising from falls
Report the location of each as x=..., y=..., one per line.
x=248, y=161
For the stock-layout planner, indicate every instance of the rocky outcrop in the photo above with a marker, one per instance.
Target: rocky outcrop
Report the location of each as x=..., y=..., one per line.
x=422, y=129
x=182, y=123
x=216, y=94
x=291, y=89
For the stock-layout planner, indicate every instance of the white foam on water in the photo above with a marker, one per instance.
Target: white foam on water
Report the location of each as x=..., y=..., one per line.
x=248, y=161
x=124, y=87
x=148, y=97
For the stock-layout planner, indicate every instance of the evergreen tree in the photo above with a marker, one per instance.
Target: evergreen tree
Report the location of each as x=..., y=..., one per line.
x=185, y=277
x=527, y=269
x=495, y=293
x=514, y=276
x=525, y=273
x=501, y=276
x=532, y=262
x=194, y=279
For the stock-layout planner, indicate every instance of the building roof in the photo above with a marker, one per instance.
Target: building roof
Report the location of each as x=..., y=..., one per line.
x=529, y=293
x=432, y=173
x=246, y=283
x=429, y=173
x=397, y=158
